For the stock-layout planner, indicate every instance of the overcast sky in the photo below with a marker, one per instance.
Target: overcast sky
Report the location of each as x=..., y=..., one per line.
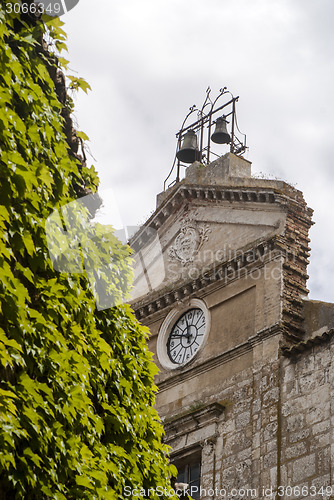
x=148, y=61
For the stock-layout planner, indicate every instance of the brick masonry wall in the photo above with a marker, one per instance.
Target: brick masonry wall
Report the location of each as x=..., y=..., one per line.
x=295, y=245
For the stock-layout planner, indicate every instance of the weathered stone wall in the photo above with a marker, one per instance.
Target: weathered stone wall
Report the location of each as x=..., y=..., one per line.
x=276, y=427
x=243, y=453
x=307, y=416
x=247, y=452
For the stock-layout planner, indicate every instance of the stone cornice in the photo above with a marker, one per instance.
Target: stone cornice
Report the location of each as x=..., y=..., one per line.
x=248, y=257
x=187, y=373
x=191, y=420
x=245, y=194
x=308, y=344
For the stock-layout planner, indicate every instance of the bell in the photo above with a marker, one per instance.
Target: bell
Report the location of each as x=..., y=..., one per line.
x=220, y=135
x=188, y=153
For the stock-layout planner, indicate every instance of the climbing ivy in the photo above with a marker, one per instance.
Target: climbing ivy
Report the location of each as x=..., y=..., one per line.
x=76, y=384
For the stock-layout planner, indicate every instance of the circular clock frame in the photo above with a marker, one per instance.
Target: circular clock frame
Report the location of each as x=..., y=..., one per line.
x=169, y=325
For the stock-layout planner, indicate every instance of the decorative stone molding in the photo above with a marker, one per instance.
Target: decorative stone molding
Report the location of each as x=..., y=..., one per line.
x=183, y=193
x=296, y=349
x=188, y=242
x=190, y=372
x=216, y=194
x=295, y=242
x=194, y=427
x=224, y=271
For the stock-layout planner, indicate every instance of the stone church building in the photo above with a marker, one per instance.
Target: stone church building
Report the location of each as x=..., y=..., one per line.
x=246, y=380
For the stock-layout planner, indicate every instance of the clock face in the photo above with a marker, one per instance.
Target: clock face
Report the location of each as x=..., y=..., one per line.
x=186, y=336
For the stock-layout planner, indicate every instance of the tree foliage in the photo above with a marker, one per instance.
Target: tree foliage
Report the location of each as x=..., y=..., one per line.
x=76, y=384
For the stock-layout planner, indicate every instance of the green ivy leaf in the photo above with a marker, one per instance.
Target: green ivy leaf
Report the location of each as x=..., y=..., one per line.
x=82, y=135
x=78, y=83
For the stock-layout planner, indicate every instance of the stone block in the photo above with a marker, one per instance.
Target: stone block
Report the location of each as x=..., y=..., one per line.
x=242, y=420
x=318, y=414
x=290, y=389
x=295, y=423
x=322, y=357
x=270, y=431
x=308, y=383
x=273, y=477
x=241, y=442
x=303, y=468
x=284, y=475
x=270, y=459
x=287, y=408
x=321, y=427
x=320, y=441
x=256, y=406
x=270, y=348
x=306, y=363
x=289, y=373
x=323, y=457
x=218, y=171
x=299, y=435
x=243, y=472
x=206, y=480
x=242, y=405
x=270, y=397
x=243, y=455
x=320, y=395
x=295, y=451
x=228, y=474
x=228, y=460
x=321, y=482
x=271, y=445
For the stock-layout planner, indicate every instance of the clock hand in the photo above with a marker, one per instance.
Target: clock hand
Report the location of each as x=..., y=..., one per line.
x=183, y=334
x=188, y=335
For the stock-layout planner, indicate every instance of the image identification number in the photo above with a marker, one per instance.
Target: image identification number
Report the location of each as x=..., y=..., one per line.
x=51, y=8
x=304, y=491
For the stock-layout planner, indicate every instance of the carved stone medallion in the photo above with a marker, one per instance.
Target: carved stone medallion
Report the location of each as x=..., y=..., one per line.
x=188, y=242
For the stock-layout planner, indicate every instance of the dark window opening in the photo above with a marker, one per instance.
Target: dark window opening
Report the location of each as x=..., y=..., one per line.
x=189, y=472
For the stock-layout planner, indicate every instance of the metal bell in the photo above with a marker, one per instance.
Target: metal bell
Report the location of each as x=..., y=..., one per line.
x=188, y=153
x=220, y=135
